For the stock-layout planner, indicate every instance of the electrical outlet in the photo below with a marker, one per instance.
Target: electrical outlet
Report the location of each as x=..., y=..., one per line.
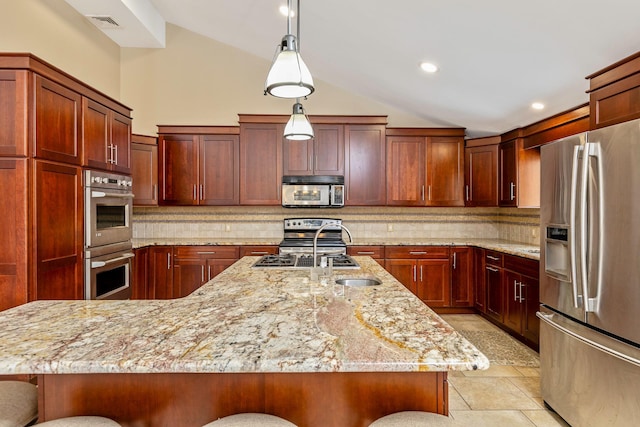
x=227, y=227
x=389, y=227
x=534, y=232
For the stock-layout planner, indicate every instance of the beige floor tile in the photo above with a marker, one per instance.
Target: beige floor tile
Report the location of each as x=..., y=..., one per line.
x=494, y=371
x=491, y=418
x=529, y=385
x=456, y=402
x=544, y=418
x=528, y=372
x=490, y=393
x=539, y=401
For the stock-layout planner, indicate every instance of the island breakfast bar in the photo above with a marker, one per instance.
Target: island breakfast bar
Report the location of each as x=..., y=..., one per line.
x=250, y=340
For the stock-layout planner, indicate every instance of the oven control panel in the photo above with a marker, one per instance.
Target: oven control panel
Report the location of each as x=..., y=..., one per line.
x=99, y=179
x=311, y=223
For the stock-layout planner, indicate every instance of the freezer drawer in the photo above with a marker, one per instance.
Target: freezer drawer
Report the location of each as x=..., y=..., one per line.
x=587, y=378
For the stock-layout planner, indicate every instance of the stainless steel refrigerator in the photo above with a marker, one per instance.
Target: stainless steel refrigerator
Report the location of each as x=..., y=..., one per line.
x=590, y=276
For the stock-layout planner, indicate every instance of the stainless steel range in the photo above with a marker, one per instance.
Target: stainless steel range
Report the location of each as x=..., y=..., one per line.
x=296, y=249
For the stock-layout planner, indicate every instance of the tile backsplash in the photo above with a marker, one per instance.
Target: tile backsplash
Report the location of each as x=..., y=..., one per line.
x=254, y=222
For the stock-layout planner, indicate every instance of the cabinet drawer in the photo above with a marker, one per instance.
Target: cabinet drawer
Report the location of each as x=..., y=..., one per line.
x=399, y=252
x=493, y=258
x=253, y=250
x=376, y=252
x=183, y=252
x=525, y=266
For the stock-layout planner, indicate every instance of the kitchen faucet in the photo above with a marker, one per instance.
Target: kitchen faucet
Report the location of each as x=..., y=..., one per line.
x=314, y=269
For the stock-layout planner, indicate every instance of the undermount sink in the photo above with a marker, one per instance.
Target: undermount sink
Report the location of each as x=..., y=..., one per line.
x=359, y=281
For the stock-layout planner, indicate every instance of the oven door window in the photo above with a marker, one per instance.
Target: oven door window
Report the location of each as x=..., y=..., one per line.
x=110, y=216
x=111, y=280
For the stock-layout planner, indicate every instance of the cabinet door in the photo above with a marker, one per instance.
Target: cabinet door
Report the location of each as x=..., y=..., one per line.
x=13, y=229
x=258, y=250
x=480, y=294
x=531, y=304
x=406, y=171
x=260, y=163
x=95, y=135
x=493, y=282
x=59, y=239
x=160, y=284
x=297, y=157
x=120, y=142
x=140, y=275
x=375, y=252
x=178, y=174
x=219, y=170
x=512, y=317
x=461, y=277
x=57, y=122
x=482, y=175
x=405, y=271
x=13, y=112
x=188, y=275
x=328, y=149
x=445, y=171
x=434, y=282
x=365, y=176
x=217, y=266
x=508, y=154
x=144, y=173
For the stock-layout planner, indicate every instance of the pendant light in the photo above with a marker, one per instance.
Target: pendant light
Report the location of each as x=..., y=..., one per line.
x=289, y=76
x=298, y=127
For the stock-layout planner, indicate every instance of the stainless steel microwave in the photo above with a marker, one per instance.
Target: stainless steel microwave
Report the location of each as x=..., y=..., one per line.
x=312, y=191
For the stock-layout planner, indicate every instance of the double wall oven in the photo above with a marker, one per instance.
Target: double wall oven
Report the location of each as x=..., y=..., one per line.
x=108, y=203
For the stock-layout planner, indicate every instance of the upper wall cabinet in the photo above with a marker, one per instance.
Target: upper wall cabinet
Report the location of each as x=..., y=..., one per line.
x=322, y=155
x=481, y=171
x=364, y=175
x=425, y=167
x=614, y=93
x=519, y=172
x=198, y=165
x=144, y=170
x=14, y=96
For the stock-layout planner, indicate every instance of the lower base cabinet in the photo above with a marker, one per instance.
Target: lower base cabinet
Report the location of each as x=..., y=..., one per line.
x=521, y=297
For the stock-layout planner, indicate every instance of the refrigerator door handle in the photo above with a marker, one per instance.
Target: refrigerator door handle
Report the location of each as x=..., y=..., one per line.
x=549, y=320
x=573, y=247
x=594, y=150
x=583, y=211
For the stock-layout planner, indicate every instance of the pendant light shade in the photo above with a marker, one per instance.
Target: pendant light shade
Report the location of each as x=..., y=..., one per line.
x=289, y=76
x=298, y=127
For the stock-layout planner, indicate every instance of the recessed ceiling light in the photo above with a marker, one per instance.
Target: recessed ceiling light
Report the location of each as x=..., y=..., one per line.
x=537, y=106
x=429, y=67
x=284, y=10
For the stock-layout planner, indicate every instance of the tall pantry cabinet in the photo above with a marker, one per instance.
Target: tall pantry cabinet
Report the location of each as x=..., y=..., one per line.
x=42, y=139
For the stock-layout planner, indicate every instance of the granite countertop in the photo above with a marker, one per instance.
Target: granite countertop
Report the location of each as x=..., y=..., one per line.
x=244, y=320
x=506, y=246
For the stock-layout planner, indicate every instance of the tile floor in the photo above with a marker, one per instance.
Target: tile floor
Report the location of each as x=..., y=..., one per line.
x=505, y=395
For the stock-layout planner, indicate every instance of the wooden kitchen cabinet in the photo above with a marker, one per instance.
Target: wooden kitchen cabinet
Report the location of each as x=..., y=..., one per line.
x=140, y=273
x=258, y=250
x=462, y=289
x=59, y=237
x=106, y=138
x=261, y=163
x=481, y=172
x=14, y=93
x=480, y=288
x=425, y=170
x=144, y=170
x=56, y=104
x=375, y=252
x=493, y=278
x=521, y=296
x=321, y=155
x=365, y=177
x=199, y=169
x=13, y=229
x=424, y=270
x=519, y=172
x=195, y=265
x=160, y=272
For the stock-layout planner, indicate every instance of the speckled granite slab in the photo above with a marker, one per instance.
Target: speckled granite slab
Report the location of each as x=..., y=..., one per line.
x=244, y=320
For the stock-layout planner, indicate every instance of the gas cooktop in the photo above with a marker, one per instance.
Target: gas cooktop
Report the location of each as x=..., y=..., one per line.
x=290, y=261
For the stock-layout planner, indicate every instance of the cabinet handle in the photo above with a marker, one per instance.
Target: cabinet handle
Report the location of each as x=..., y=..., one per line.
x=155, y=192
x=429, y=192
x=422, y=193
x=206, y=253
x=516, y=297
x=168, y=261
x=521, y=297
x=454, y=260
x=259, y=253
x=201, y=192
x=115, y=157
x=203, y=274
x=421, y=273
x=466, y=189
x=415, y=277
x=194, y=192
x=512, y=192
x=495, y=270
x=493, y=258
x=365, y=253
x=417, y=252
x=209, y=277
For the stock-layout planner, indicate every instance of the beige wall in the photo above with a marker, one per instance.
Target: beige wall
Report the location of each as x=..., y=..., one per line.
x=196, y=80
x=57, y=33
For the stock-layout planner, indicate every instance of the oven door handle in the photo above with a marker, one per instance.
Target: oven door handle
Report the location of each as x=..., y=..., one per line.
x=100, y=194
x=98, y=264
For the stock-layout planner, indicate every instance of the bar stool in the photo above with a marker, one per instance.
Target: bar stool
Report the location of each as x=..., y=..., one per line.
x=414, y=419
x=18, y=403
x=88, y=421
x=250, y=420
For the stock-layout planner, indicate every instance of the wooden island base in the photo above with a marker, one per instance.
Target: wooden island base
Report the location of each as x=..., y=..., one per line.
x=194, y=399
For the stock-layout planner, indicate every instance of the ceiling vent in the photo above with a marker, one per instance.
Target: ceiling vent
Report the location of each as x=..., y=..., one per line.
x=103, y=22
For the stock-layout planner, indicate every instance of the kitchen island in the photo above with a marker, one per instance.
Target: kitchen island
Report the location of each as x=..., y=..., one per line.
x=250, y=340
